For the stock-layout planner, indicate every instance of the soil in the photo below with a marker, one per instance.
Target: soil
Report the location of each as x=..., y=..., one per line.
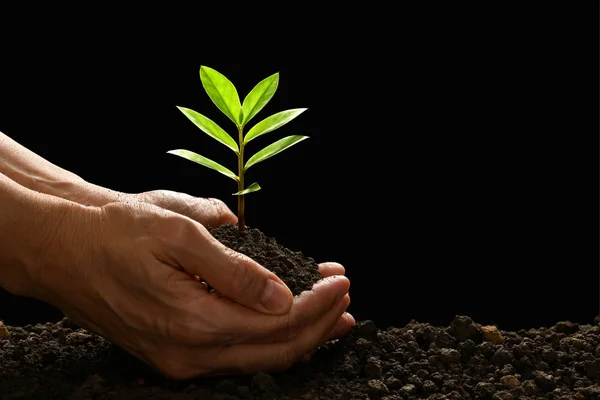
x=59, y=360
x=298, y=271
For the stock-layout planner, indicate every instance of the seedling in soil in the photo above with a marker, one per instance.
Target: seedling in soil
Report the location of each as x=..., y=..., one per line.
x=223, y=93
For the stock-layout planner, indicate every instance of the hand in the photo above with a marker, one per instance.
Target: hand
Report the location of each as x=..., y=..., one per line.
x=121, y=280
x=213, y=212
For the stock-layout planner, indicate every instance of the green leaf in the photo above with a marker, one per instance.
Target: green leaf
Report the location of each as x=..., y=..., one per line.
x=273, y=149
x=273, y=122
x=259, y=97
x=197, y=158
x=252, y=188
x=209, y=127
x=222, y=92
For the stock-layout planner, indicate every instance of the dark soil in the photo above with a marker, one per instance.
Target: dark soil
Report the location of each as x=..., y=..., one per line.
x=461, y=361
x=298, y=271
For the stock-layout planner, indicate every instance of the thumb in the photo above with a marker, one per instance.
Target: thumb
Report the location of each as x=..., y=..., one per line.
x=234, y=275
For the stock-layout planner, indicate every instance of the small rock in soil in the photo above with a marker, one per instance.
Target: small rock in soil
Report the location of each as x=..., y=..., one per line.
x=492, y=334
x=510, y=381
x=4, y=334
x=464, y=328
x=376, y=389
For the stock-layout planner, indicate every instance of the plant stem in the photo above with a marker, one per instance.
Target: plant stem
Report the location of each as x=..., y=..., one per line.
x=241, y=223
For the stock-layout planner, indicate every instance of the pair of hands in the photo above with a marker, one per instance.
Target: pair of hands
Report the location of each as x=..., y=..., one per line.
x=125, y=271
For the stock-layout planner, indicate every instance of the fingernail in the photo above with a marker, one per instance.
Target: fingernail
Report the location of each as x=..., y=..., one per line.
x=275, y=297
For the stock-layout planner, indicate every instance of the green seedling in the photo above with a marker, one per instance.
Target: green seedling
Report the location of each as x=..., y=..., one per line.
x=225, y=96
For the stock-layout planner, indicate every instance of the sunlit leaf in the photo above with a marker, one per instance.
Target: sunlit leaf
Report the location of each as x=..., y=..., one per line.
x=252, y=188
x=259, y=97
x=273, y=149
x=197, y=158
x=210, y=127
x=222, y=92
x=273, y=122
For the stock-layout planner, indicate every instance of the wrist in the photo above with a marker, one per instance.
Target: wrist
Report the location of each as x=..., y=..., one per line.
x=38, y=233
x=34, y=172
x=65, y=185
x=64, y=245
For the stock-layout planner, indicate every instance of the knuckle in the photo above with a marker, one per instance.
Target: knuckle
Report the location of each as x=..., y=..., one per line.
x=179, y=228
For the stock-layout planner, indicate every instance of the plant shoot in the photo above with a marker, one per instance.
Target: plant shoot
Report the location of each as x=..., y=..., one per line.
x=224, y=95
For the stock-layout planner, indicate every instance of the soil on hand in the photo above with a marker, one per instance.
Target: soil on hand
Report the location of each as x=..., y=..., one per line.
x=58, y=360
x=298, y=272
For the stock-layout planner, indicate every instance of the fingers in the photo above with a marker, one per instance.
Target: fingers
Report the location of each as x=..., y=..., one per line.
x=343, y=326
x=252, y=358
x=232, y=323
x=253, y=301
x=232, y=274
x=307, y=308
x=331, y=268
x=246, y=282
x=207, y=211
x=211, y=212
x=347, y=320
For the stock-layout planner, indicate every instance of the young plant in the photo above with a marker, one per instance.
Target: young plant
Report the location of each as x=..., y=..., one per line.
x=224, y=95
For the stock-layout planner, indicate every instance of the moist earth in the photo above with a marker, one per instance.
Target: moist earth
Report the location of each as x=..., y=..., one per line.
x=298, y=271
x=464, y=360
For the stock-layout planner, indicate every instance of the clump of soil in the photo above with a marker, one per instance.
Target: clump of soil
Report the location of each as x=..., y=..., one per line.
x=298, y=272
x=59, y=360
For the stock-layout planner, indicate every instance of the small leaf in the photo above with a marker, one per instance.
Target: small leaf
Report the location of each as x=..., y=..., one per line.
x=273, y=122
x=259, y=97
x=222, y=92
x=209, y=127
x=252, y=188
x=273, y=149
x=197, y=158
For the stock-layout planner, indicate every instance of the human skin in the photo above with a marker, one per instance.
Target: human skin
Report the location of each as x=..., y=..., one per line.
x=121, y=265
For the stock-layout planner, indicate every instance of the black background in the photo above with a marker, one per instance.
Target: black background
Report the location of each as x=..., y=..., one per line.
x=451, y=167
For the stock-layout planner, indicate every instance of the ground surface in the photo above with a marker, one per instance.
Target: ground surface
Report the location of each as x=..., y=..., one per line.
x=418, y=361
x=58, y=360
